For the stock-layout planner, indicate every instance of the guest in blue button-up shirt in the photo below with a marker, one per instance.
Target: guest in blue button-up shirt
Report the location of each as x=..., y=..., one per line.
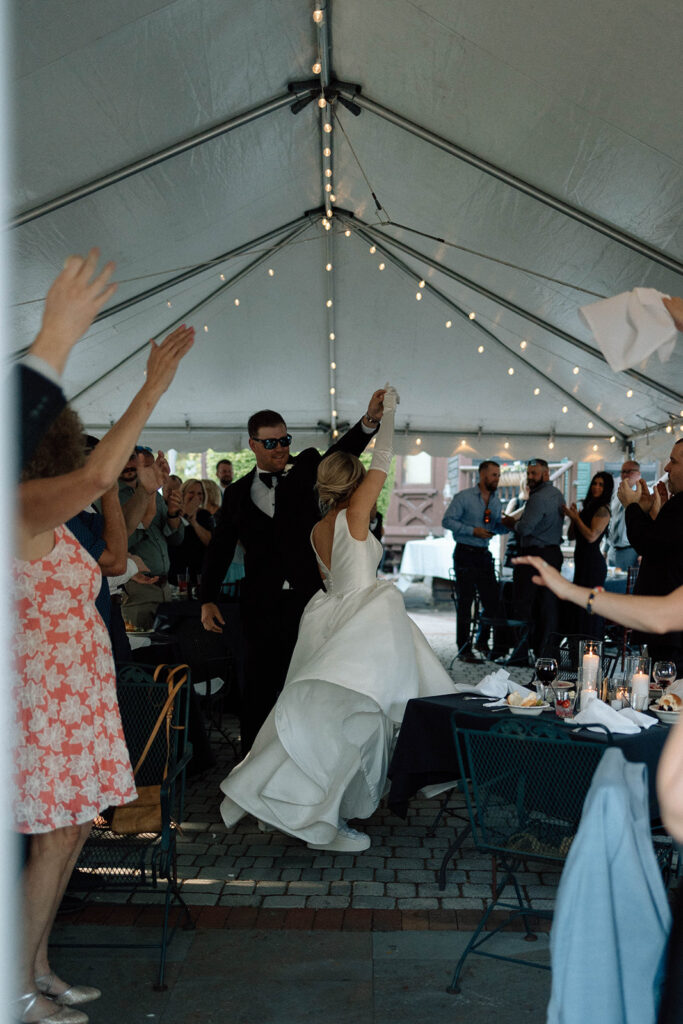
x=473, y=517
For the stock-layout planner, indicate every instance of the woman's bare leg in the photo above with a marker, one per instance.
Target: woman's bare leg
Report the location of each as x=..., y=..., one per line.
x=43, y=886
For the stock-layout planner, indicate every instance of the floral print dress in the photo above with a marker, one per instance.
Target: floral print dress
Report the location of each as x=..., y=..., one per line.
x=70, y=755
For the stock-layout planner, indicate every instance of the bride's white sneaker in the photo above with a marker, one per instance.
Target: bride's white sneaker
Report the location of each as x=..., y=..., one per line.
x=347, y=840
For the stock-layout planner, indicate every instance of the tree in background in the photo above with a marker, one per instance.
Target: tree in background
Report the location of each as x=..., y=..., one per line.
x=189, y=465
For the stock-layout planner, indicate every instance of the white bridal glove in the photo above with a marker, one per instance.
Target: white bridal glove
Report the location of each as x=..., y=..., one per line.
x=384, y=438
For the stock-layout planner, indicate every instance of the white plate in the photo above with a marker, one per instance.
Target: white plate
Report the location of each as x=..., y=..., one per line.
x=535, y=709
x=670, y=717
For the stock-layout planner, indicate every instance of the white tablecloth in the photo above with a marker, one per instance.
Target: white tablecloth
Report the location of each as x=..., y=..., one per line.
x=430, y=557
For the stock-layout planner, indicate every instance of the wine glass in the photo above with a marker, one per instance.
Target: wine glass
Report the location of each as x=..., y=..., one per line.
x=546, y=674
x=664, y=673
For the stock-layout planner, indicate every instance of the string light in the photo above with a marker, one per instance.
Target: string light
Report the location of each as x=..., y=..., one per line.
x=327, y=127
x=373, y=250
x=380, y=266
x=418, y=296
x=420, y=284
x=473, y=316
x=332, y=336
x=334, y=412
x=506, y=445
x=565, y=409
x=480, y=349
x=317, y=68
x=328, y=266
x=523, y=344
x=327, y=151
x=335, y=433
x=669, y=428
x=237, y=302
x=168, y=304
x=551, y=445
x=222, y=277
x=327, y=225
x=206, y=328
x=348, y=233
x=322, y=102
x=537, y=391
x=449, y=323
x=629, y=393
x=332, y=391
x=328, y=172
x=333, y=199
x=317, y=16
x=612, y=439
x=595, y=447
x=328, y=187
x=333, y=366
x=575, y=370
x=511, y=370
x=328, y=212
x=329, y=303
x=418, y=440
x=590, y=424
x=271, y=272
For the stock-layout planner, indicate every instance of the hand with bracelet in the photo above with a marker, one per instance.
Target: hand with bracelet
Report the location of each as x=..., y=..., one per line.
x=375, y=411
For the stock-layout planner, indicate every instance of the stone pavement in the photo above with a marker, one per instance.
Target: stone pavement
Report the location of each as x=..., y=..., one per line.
x=254, y=879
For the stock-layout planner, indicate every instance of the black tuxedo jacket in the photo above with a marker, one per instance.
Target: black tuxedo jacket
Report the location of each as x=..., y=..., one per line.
x=277, y=548
x=40, y=403
x=660, y=542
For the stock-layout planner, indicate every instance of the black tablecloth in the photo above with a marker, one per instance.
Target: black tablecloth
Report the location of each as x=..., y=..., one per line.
x=425, y=751
x=180, y=623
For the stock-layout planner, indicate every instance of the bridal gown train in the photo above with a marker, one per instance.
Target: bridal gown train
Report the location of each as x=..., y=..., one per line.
x=322, y=754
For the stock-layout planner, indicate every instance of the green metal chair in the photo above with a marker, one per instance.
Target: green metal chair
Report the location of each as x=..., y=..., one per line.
x=527, y=782
x=111, y=861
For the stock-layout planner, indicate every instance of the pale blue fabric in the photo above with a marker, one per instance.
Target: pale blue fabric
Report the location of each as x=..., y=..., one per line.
x=612, y=918
x=467, y=511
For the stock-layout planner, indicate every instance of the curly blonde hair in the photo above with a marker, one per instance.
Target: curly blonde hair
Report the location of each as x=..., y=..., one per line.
x=338, y=477
x=212, y=492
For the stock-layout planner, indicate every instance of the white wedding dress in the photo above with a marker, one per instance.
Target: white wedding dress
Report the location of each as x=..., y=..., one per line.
x=322, y=754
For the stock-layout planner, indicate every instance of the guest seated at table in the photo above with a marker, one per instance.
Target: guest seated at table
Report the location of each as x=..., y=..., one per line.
x=322, y=754
x=588, y=528
x=188, y=556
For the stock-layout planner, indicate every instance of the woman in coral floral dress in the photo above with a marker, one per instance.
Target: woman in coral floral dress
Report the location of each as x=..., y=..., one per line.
x=69, y=751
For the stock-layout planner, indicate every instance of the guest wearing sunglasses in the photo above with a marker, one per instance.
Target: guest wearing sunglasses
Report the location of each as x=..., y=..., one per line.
x=272, y=511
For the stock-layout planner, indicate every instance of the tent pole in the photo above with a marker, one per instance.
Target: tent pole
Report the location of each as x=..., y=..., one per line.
x=151, y=160
x=370, y=237
x=528, y=189
x=523, y=313
x=203, y=302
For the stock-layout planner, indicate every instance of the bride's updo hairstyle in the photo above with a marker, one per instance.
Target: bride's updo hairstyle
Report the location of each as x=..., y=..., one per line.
x=338, y=477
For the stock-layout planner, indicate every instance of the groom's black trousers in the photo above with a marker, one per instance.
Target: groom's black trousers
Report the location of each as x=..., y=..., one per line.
x=270, y=629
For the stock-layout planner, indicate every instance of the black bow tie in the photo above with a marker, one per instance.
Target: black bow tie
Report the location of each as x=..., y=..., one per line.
x=268, y=478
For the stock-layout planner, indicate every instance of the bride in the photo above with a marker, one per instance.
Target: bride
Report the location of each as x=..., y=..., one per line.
x=321, y=756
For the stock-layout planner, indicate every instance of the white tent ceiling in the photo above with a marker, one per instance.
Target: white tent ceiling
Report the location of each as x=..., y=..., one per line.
x=572, y=112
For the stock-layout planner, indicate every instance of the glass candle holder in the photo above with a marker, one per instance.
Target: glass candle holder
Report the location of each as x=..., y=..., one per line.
x=589, y=672
x=638, y=678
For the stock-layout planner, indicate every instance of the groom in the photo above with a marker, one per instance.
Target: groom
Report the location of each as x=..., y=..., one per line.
x=272, y=511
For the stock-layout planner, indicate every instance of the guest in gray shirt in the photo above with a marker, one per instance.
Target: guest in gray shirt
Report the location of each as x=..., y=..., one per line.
x=539, y=531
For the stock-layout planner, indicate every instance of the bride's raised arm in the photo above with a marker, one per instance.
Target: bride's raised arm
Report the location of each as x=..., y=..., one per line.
x=364, y=497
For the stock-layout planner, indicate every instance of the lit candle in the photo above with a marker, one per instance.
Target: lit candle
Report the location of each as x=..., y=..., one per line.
x=591, y=663
x=640, y=690
x=621, y=698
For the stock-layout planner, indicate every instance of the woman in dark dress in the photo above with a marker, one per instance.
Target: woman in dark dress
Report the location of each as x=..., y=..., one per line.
x=189, y=555
x=588, y=528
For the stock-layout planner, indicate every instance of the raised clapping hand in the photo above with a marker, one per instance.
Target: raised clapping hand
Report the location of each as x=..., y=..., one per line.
x=571, y=511
x=164, y=359
x=72, y=303
x=641, y=496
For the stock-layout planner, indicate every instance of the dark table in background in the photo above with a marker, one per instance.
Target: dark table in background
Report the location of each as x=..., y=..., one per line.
x=425, y=751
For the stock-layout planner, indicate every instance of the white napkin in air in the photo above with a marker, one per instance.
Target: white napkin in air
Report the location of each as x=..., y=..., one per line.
x=599, y=713
x=631, y=326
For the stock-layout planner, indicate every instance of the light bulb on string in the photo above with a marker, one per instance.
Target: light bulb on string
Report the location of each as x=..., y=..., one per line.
x=595, y=447
x=322, y=102
x=237, y=302
x=523, y=344
x=590, y=424
x=329, y=303
x=328, y=212
x=506, y=445
x=333, y=198
x=473, y=316
x=328, y=187
x=332, y=391
x=629, y=393
x=333, y=366
x=551, y=445
x=206, y=328
x=169, y=303
x=347, y=233
x=332, y=336
x=612, y=439
x=327, y=127
x=565, y=408
x=480, y=349
x=373, y=250
x=222, y=277
x=449, y=323
x=418, y=296
x=327, y=225
x=328, y=266
x=668, y=428
x=511, y=371
x=327, y=151
x=380, y=266
x=418, y=440
x=575, y=370
x=271, y=272
x=317, y=16
x=317, y=68
x=537, y=391
x=328, y=172
x=421, y=284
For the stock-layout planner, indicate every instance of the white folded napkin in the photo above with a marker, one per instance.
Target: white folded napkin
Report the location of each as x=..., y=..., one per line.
x=599, y=713
x=496, y=684
x=645, y=721
x=631, y=326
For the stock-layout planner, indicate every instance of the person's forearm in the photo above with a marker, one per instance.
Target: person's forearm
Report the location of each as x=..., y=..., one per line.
x=114, y=535
x=149, y=509
x=651, y=614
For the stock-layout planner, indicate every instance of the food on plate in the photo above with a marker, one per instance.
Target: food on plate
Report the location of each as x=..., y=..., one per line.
x=669, y=702
x=518, y=701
